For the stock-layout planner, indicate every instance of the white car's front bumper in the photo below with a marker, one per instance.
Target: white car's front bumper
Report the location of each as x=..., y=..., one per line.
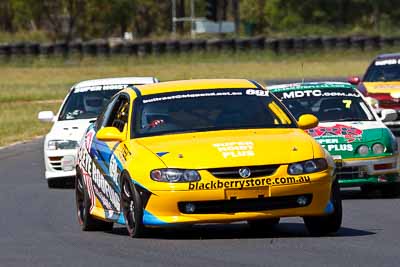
x=60, y=163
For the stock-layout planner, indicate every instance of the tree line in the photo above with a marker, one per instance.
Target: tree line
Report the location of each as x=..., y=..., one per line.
x=69, y=20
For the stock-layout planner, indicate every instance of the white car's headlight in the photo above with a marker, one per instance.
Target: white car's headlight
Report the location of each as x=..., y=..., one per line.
x=62, y=144
x=308, y=166
x=174, y=175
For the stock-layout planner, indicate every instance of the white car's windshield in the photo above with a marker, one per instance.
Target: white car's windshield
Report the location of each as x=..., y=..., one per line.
x=334, y=104
x=209, y=110
x=88, y=102
x=386, y=70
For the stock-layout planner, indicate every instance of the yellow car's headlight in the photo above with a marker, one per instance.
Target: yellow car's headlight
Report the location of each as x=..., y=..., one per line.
x=308, y=166
x=175, y=175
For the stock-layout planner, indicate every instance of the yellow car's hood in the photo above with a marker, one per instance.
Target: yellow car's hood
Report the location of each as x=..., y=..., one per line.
x=217, y=149
x=383, y=87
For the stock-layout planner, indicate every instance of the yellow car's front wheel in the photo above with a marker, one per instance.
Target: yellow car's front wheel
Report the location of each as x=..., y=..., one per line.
x=132, y=208
x=323, y=225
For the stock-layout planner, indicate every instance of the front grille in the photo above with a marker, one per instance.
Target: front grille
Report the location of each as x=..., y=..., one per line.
x=233, y=172
x=55, y=163
x=348, y=173
x=244, y=205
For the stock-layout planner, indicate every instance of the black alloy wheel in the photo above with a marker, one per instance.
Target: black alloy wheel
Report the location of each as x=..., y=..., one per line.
x=327, y=224
x=132, y=208
x=85, y=219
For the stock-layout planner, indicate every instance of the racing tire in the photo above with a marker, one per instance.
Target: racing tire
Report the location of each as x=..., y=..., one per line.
x=390, y=190
x=264, y=224
x=132, y=208
x=85, y=219
x=324, y=225
x=368, y=189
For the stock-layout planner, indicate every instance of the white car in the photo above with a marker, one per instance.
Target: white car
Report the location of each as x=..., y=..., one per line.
x=80, y=107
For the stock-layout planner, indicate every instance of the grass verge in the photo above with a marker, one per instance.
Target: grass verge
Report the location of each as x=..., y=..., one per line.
x=19, y=121
x=24, y=82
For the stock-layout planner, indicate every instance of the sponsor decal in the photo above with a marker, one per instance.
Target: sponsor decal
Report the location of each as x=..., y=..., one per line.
x=333, y=145
x=191, y=95
x=236, y=149
x=89, y=139
x=114, y=174
x=125, y=152
x=387, y=87
x=317, y=93
x=96, y=181
x=249, y=183
x=307, y=86
x=339, y=147
x=160, y=154
x=100, y=88
x=385, y=62
x=257, y=92
x=350, y=133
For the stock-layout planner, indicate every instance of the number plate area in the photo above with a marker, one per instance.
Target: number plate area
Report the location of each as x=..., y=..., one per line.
x=254, y=192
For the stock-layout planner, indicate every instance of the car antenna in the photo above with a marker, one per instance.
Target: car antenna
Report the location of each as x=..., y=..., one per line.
x=302, y=72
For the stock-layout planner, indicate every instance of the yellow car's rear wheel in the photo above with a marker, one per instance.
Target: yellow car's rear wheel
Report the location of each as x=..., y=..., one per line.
x=85, y=219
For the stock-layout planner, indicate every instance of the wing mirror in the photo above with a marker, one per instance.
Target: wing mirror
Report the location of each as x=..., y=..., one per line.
x=354, y=80
x=46, y=116
x=110, y=134
x=307, y=121
x=388, y=115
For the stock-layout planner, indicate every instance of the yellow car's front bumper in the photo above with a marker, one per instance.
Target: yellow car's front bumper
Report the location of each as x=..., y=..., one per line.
x=230, y=204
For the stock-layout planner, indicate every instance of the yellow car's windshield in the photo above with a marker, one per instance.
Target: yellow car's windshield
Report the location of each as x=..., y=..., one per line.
x=208, y=110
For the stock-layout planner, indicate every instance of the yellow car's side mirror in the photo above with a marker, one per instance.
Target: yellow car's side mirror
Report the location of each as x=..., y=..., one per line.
x=307, y=121
x=110, y=134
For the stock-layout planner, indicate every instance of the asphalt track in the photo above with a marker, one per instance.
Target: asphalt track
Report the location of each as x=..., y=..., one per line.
x=38, y=227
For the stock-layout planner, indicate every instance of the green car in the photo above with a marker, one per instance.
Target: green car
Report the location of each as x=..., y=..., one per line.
x=364, y=149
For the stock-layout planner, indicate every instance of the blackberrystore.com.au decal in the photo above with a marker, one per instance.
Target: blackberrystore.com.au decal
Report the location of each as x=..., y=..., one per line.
x=240, y=184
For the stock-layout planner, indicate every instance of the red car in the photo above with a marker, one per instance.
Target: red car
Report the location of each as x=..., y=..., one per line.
x=381, y=82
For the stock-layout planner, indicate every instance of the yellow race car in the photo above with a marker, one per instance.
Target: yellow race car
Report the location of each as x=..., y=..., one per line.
x=203, y=151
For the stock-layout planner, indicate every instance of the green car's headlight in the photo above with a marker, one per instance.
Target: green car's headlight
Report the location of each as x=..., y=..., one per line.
x=378, y=148
x=62, y=144
x=308, y=166
x=363, y=150
x=175, y=175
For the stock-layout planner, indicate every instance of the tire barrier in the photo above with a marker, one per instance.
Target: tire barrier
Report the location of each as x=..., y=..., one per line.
x=214, y=44
x=272, y=45
x=61, y=49
x=186, y=46
x=158, y=47
x=32, y=49
x=242, y=44
x=343, y=42
x=75, y=48
x=275, y=45
x=199, y=45
x=172, y=46
x=285, y=45
x=144, y=48
x=47, y=49
x=228, y=45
